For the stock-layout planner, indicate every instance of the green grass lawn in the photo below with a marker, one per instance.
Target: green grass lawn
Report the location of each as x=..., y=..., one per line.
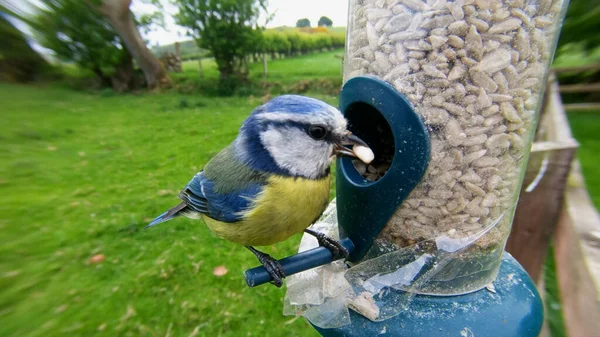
x=312, y=66
x=81, y=174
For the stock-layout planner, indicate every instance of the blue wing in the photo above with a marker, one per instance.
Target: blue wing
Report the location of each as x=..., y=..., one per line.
x=200, y=196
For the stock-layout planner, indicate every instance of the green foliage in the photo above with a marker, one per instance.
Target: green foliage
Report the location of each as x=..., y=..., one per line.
x=581, y=24
x=228, y=28
x=338, y=40
x=147, y=21
x=552, y=307
x=322, y=41
x=303, y=23
x=18, y=61
x=275, y=42
x=78, y=34
x=305, y=42
x=325, y=22
x=295, y=41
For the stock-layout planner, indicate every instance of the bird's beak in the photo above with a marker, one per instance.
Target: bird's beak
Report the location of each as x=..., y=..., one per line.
x=340, y=149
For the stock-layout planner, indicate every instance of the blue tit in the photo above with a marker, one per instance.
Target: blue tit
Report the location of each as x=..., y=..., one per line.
x=273, y=180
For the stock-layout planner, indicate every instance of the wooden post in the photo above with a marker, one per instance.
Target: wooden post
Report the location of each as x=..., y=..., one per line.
x=246, y=63
x=264, y=65
x=541, y=197
x=341, y=57
x=177, y=49
x=586, y=87
x=539, y=206
x=582, y=107
x=577, y=255
x=200, y=67
x=587, y=67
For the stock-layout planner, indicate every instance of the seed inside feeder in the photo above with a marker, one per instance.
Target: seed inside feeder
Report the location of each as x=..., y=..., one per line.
x=477, y=85
x=363, y=153
x=374, y=169
x=368, y=124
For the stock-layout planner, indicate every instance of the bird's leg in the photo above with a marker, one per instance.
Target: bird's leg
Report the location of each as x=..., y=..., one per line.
x=271, y=265
x=333, y=245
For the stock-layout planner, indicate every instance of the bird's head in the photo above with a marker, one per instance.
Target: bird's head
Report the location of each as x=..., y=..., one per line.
x=296, y=136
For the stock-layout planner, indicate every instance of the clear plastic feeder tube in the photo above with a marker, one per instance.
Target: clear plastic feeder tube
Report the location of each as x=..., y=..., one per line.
x=475, y=70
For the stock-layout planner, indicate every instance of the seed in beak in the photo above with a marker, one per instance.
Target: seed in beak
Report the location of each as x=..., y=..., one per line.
x=363, y=153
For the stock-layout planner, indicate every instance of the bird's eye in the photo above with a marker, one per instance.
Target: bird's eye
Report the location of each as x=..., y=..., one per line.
x=317, y=132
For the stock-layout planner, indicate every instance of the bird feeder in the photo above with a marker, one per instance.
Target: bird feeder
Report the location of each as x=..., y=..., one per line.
x=447, y=94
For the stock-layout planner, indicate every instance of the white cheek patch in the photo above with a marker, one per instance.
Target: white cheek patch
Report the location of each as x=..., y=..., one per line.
x=293, y=150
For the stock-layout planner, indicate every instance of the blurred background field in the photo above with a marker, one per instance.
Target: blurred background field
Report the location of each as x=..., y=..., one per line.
x=84, y=167
x=83, y=173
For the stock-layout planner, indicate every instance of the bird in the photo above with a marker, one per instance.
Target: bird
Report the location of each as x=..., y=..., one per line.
x=272, y=181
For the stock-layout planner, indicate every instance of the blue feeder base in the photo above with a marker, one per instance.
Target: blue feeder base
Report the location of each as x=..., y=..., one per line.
x=514, y=310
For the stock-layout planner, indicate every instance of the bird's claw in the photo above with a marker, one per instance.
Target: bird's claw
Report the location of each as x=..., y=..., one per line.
x=272, y=266
x=275, y=269
x=330, y=243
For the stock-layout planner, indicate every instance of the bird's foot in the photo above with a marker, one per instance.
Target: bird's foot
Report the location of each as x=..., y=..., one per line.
x=272, y=266
x=330, y=243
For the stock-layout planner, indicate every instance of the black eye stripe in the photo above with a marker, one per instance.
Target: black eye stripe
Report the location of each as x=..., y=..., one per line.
x=301, y=126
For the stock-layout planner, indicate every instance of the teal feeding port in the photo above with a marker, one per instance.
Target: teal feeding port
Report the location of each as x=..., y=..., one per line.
x=385, y=120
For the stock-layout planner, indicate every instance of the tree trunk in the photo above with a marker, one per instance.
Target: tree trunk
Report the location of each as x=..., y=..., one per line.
x=104, y=80
x=124, y=79
x=119, y=16
x=265, y=66
x=200, y=67
x=227, y=69
x=246, y=66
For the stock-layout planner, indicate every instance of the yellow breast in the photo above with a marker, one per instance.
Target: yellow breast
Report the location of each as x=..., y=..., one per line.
x=286, y=206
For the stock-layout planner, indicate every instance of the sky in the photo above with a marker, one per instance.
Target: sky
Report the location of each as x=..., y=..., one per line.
x=287, y=12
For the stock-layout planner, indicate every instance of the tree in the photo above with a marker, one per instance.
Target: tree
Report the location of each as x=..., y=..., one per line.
x=303, y=23
x=119, y=15
x=228, y=28
x=295, y=43
x=77, y=34
x=325, y=22
x=18, y=61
